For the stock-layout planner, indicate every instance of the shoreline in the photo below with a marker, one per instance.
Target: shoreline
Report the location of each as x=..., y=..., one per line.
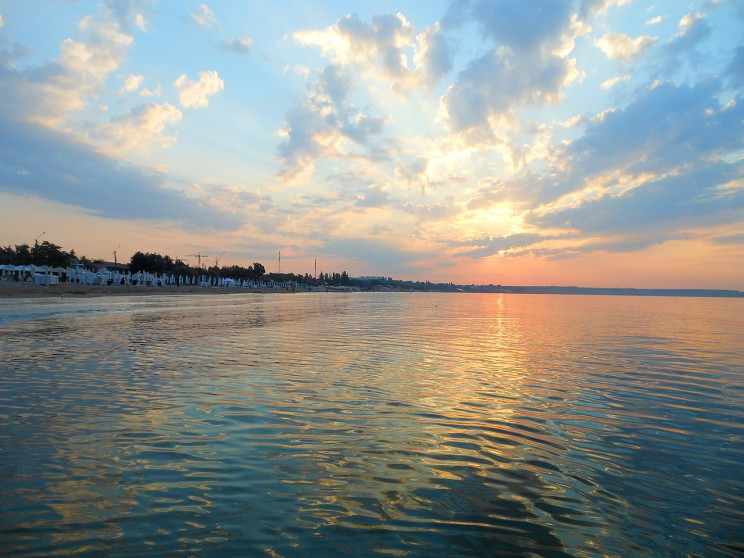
x=18, y=290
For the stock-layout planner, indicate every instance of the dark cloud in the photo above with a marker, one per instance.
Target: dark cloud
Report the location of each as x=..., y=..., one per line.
x=525, y=73
x=488, y=246
x=664, y=127
x=375, y=196
x=325, y=116
x=682, y=48
x=659, y=208
x=522, y=24
x=125, y=11
x=677, y=142
x=493, y=85
x=239, y=45
x=379, y=254
x=732, y=239
x=735, y=69
x=37, y=161
x=426, y=212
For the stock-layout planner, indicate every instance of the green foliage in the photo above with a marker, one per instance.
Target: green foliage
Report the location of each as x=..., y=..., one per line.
x=45, y=253
x=50, y=254
x=151, y=263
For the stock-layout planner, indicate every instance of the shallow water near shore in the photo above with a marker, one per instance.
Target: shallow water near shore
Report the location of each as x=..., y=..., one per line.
x=372, y=423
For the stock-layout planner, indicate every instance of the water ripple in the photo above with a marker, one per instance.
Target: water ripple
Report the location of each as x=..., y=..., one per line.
x=415, y=424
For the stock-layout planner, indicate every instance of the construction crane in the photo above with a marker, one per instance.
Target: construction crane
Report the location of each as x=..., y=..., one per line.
x=198, y=257
x=218, y=258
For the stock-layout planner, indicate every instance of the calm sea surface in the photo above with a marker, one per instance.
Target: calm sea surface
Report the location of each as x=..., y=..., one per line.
x=329, y=424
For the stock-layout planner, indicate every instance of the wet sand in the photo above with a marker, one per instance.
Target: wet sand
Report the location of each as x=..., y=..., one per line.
x=14, y=289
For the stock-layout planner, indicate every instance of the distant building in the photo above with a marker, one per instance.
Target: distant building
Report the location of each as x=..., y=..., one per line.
x=111, y=267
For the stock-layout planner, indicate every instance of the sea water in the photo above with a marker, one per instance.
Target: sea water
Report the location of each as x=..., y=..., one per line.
x=398, y=424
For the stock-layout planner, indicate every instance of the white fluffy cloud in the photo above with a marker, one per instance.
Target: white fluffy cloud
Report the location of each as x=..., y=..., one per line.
x=195, y=93
x=55, y=94
x=203, y=17
x=381, y=46
x=59, y=88
x=619, y=46
x=140, y=127
x=140, y=22
x=131, y=83
x=612, y=82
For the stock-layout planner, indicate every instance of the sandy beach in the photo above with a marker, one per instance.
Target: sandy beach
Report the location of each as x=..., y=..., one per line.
x=14, y=289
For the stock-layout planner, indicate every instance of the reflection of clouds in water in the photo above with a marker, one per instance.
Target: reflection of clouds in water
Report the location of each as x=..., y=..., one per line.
x=444, y=423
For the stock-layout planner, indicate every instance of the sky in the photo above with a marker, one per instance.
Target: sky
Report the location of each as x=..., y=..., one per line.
x=588, y=142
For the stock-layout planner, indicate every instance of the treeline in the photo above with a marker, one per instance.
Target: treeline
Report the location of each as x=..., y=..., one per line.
x=47, y=253
x=156, y=263
x=44, y=253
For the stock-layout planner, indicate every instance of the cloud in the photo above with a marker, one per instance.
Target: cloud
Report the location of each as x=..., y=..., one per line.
x=382, y=46
x=612, y=82
x=54, y=90
x=377, y=195
x=126, y=12
x=650, y=172
x=483, y=99
x=321, y=126
x=74, y=174
x=599, y=6
x=619, y=46
x=376, y=253
x=239, y=45
x=202, y=17
x=693, y=29
x=425, y=212
x=2, y=22
x=53, y=93
x=131, y=83
x=735, y=69
x=488, y=246
x=655, y=20
x=157, y=92
x=140, y=126
x=140, y=22
x=526, y=66
x=657, y=211
x=524, y=25
x=195, y=93
x=733, y=239
x=664, y=128
x=416, y=174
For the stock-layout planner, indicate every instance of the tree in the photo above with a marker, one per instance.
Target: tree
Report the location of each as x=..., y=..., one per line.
x=258, y=269
x=49, y=254
x=151, y=263
x=22, y=255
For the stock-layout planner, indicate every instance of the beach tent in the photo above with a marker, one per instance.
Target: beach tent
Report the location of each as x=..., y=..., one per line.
x=45, y=279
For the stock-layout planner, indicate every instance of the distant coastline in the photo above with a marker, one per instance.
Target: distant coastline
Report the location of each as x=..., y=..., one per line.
x=618, y=291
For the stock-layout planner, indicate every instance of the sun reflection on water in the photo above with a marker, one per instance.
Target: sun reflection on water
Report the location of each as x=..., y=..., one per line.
x=403, y=423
